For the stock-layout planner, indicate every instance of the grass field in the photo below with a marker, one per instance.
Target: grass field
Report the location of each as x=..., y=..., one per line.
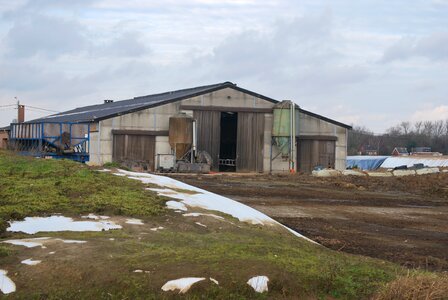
x=227, y=250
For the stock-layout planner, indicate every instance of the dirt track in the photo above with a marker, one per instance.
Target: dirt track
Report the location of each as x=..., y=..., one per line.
x=404, y=220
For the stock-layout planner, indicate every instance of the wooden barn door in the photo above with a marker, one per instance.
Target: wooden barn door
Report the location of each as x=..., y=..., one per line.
x=312, y=153
x=208, y=134
x=138, y=149
x=250, y=142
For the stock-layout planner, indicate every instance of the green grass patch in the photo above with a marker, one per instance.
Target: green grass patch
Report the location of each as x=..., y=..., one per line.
x=31, y=187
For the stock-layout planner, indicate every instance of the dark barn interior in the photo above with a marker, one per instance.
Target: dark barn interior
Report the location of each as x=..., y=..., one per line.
x=227, y=149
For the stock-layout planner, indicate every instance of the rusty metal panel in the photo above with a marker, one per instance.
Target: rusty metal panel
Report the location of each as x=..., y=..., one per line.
x=208, y=134
x=134, y=150
x=312, y=153
x=250, y=142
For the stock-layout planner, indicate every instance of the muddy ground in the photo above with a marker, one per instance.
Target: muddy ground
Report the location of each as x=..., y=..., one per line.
x=404, y=220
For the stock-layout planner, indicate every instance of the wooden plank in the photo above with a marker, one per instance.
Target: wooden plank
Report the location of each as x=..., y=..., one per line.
x=141, y=132
x=208, y=134
x=226, y=109
x=250, y=142
x=134, y=148
x=312, y=153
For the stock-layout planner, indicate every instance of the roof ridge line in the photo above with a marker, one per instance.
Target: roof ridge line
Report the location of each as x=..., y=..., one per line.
x=187, y=89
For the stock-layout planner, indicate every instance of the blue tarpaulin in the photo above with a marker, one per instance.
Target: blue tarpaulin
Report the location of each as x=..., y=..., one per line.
x=365, y=163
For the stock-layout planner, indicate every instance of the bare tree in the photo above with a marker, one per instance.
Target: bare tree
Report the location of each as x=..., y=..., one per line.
x=406, y=127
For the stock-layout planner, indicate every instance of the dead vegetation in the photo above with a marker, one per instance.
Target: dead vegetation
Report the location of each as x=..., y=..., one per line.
x=415, y=287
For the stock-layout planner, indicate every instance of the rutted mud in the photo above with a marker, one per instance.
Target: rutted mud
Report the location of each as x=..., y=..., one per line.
x=404, y=220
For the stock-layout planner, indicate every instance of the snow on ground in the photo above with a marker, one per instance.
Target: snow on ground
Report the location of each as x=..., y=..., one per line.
x=72, y=241
x=95, y=217
x=259, y=283
x=134, y=221
x=181, y=284
x=29, y=243
x=214, y=281
x=157, y=228
x=200, y=224
x=31, y=262
x=174, y=204
x=32, y=225
x=7, y=286
x=201, y=214
x=203, y=199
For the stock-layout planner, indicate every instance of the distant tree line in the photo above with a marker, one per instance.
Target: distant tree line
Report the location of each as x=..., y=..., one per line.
x=433, y=134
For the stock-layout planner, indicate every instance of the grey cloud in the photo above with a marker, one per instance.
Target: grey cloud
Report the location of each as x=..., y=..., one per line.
x=127, y=44
x=46, y=36
x=301, y=52
x=433, y=47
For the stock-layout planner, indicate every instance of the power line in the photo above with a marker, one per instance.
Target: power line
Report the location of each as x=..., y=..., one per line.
x=8, y=105
x=49, y=110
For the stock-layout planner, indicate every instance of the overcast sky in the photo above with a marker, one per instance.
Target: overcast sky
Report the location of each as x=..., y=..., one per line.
x=369, y=63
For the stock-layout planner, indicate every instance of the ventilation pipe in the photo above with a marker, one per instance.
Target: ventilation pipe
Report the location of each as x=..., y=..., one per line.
x=194, y=145
x=293, y=151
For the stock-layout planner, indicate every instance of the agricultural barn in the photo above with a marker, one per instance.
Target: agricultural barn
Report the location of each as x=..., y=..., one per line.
x=240, y=130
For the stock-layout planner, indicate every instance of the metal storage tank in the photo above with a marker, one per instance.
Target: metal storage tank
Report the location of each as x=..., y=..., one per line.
x=181, y=134
x=281, y=126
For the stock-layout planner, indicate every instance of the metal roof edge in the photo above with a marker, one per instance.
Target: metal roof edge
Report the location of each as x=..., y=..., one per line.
x=210, y=90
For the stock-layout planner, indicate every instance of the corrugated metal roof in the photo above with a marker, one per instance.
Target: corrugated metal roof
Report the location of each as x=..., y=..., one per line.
x=108, y=110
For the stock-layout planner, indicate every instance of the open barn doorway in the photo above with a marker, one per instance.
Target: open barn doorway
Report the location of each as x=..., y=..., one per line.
x=228, y=142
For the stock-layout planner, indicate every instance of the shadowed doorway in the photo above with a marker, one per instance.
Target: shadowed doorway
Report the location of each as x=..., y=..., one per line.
x=227, y=152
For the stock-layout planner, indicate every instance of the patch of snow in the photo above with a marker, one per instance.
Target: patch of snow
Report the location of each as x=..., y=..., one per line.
x=214, y=281
x=29, y=243
x=259, y=283
x=157, y=228
x=204, y=199
x=138, y=271
x=134, y=221
x=181, y=284
x=104, y=170
x=201, y=214
x=31, y=262
x=200, y=224
x=52, y=252
x=72, y=241
x=7, y=286
x=111, y=239
x=32, y=225
x=175, y=205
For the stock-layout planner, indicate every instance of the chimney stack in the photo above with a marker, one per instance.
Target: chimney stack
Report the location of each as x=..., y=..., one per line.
x=21, y=113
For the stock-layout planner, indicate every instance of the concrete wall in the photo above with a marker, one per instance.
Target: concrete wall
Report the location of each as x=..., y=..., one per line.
x=157, y=118
x=309, y=125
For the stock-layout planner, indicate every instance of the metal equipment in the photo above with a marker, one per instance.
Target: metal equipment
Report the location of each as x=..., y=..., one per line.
x=51, y=139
